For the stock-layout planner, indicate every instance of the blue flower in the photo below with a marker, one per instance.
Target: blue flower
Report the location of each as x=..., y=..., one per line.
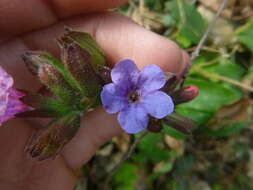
x=135, y=95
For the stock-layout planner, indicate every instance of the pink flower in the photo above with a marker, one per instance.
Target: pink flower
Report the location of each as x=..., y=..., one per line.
x=10, y=105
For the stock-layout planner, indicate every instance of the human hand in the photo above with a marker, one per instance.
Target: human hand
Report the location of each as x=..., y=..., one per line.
x=33, y=25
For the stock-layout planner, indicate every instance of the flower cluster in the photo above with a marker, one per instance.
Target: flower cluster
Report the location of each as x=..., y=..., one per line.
x=143, y=99
x=10, y=105
x=135, y=95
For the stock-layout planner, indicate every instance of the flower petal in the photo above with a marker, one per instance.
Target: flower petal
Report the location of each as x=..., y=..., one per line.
x=113, y=98
x=125, y=71
x=151, y=78
x=3, y=103
x=13, y=105
x=158, y=104
x=6, y=81
x=133, y=119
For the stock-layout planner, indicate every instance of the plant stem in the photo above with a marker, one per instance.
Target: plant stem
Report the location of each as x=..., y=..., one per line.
x=195, y=54
x=222, y=78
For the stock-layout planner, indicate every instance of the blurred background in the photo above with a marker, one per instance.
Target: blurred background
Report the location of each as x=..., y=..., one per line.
x=219, y=154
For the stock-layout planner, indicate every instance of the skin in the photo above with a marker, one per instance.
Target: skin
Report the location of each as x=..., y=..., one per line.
x=33, y=25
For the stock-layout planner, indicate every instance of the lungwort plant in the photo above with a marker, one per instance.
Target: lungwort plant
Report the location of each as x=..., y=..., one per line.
x=81, y=81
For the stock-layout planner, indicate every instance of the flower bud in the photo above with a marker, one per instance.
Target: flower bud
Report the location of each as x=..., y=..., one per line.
x=180, y=123
x=185, y=94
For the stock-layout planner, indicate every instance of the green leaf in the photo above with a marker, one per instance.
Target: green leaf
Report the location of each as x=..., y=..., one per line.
x=173, y=132
x=245, y=34
x=212, y=96
x=250, y=73
x=184, y=41
x=151, y=149
x=227, y=68
x=197, y=115
x=227, y=130
x=191, y=24
x=126, y=176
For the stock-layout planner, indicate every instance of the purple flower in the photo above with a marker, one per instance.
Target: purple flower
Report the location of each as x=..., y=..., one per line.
x=135, y=95
x=10, y=105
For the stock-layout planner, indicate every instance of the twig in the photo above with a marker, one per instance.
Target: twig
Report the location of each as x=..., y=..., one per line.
x=222, y=78
x=125, y=157
x=204, y=37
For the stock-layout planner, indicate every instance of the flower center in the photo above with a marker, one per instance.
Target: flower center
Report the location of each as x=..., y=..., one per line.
x=133, y=97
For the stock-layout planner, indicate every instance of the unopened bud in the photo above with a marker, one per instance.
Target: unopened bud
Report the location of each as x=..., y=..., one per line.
x=180, y=123
x=185, y=94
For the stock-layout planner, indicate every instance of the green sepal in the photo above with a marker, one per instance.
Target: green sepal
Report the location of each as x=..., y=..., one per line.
x=75, y=84
x=45, y=106
x=48, y=142
x=78, y=62
x=36, y=59
x=51, y=78
x=86, y=42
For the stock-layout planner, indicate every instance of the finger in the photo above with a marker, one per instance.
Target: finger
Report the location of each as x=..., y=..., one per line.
x=97, y=128
x=118, y=36
x=17, y=16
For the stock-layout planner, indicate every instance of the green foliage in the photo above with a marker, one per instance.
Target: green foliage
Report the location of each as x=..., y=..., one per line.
x=173, y=132
x=227, y=130
x=126, y=177
x=225, y=67
x=151, y=148
x=245, y=34
x=56, y=107
x=212, y=96
x=191, y=24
